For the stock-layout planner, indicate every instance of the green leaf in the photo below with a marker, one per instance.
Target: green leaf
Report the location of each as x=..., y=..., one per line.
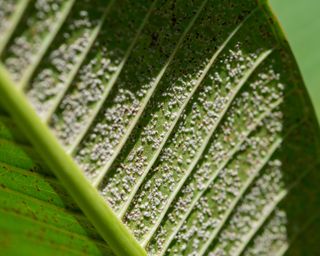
x=189, y=118
x=37, y=216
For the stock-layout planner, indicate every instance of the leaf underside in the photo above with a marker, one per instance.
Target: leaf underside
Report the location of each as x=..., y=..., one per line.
x=37, y=216
x=189, y=117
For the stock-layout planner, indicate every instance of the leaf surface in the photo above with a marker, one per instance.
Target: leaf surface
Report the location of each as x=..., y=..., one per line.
x=37, y=216
x=190, y=119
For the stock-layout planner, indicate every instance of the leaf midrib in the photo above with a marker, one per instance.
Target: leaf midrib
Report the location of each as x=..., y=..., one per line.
x=92, y=204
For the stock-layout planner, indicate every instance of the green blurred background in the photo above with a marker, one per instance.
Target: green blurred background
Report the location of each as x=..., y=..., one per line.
x=300, y=20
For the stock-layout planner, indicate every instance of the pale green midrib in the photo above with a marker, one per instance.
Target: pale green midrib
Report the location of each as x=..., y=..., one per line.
x=215, y=174
x=151, y=91
x=78, y=65
x=205, y=143
x=117, y=235
x=71, y=149
x=24, y=80
x=270, y=209
x=48, y=205
x=243, y=190
x=247, y=185
x=173, y=125
x=15, y=19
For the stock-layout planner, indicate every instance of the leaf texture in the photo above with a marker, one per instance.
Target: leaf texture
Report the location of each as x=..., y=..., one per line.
x=189, y=117
x=37, y=216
